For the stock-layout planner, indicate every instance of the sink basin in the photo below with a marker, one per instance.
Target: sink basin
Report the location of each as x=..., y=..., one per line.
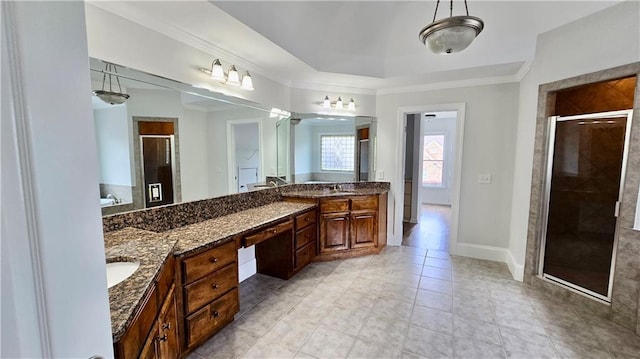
x=119, y=271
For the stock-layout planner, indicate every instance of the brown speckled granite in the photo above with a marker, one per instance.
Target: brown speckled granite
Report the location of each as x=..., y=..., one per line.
x=326, y=192
x=161, y=219
x=151, y=250
x=212, y=232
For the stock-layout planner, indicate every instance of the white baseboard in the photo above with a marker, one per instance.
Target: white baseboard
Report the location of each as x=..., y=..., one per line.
x=490, y=253
x=516, y=269
x=247, y=269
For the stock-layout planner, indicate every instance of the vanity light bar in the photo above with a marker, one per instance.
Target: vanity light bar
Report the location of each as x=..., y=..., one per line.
x=338, y=104
x=232, y=77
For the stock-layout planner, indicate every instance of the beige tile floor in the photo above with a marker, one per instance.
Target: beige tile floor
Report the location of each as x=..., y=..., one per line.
x=410, y=302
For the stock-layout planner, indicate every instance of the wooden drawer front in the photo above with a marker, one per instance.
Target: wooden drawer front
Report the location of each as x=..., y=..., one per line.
x=210, y=287
x=305, y=255
x=334, y=205
x=306, y=236
x=305, y=219
x=209, y=261
x=267, y=233
x=211, y=318
x=364, y=202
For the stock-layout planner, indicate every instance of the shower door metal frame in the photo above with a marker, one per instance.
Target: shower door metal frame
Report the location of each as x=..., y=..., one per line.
x=546, y=196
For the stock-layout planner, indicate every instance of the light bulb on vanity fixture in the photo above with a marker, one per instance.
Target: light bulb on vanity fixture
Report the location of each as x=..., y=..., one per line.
x=216, y=72
x=338, y=104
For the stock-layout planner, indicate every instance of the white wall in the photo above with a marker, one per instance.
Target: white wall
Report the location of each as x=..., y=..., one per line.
x=447, y=127
x=112, y=136
x=218, y=144
x=192, y=136
x=489, y=140
x=603, y=40
x=49, y=181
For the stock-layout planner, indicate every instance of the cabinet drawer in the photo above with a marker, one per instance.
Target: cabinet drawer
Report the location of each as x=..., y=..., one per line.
x=267, y=233
x=209, y=261
x=364, y=202
x=305, y=236
x=210, y=287
x=201, y=324
x=305, y=219
x=334, y=205
x=305, y=255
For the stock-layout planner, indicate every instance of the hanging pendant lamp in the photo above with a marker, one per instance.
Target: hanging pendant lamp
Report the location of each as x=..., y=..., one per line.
x=111, y=97
x=452, y=34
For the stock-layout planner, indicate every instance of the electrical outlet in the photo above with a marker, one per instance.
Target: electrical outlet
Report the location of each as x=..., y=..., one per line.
x=484, y=178
x=380, y=175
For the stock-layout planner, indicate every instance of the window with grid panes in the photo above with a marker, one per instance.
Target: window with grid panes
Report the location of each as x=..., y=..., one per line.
x=337, y=152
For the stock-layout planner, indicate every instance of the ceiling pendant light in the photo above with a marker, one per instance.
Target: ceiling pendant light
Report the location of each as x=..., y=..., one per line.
x=233, y=78
x=452, y=34
x=247, y=82
x=111, y=97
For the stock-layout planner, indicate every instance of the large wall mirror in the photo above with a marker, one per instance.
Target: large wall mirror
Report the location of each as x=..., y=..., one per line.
x=171, y=142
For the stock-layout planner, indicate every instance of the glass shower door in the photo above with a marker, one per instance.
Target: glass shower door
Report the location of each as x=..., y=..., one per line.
x=585, y=168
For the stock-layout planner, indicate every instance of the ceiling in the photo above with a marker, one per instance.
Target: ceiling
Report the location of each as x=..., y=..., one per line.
x=360, y=44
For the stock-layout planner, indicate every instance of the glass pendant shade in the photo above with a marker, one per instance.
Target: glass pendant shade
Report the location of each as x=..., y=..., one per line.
x=352, y=105
x=233, y=78
x=339, y=104
x=217, y=72
x=112, y=98
x=452, y=34
x=326, y=103
x=247, y=82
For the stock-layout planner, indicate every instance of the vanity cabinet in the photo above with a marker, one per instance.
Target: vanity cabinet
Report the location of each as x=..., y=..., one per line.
x=285, y=248
x=153, y=331
x=208, y=293
x=351, y=226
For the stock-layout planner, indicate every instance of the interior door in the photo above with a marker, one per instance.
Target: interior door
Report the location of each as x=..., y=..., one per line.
x=585, y=169
x=157, y=162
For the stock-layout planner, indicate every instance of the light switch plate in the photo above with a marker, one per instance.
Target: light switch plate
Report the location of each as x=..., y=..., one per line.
x=380, y=175
x=484, y=178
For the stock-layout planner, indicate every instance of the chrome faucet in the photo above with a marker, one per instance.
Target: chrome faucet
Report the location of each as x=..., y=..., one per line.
x=273, y=183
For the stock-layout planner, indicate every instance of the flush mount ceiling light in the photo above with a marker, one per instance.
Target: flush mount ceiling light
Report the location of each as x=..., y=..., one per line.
x=111, y=97
x=452, y=34
x=232, y=77
x=338, y=104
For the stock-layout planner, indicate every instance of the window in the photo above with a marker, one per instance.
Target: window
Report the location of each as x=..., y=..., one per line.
x=433, y=161
x=337, y=152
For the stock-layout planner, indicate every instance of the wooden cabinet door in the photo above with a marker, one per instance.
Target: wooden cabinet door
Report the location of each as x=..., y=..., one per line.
x=334, y=232
x=167, y=338
x=364, y=229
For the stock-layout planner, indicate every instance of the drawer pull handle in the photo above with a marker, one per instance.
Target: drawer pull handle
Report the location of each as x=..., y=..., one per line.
x=214, y=260
x=214, y=286
x=216, y=314
x=162, y=338
x=166, y=326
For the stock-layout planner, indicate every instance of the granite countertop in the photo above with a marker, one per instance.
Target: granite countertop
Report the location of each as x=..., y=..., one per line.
x=327, y=192
x=132, y=244
x=212, y=232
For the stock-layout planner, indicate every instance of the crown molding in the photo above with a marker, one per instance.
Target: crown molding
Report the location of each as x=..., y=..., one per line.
x=318, y=86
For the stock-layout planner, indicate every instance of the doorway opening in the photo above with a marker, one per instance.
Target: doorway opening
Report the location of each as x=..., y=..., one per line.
x=432, y=159
x=245, y=156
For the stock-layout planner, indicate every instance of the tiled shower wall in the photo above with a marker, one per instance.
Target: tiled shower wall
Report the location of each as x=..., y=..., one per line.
x=625, y=303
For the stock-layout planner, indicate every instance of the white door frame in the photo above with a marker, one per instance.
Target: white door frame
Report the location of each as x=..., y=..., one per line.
x=457, y=171
x=231, y=152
